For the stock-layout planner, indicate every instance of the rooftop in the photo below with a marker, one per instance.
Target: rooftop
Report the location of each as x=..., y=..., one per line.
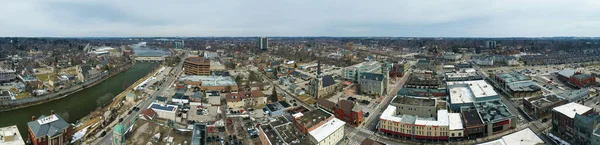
x=11, y=136
x=454, y=121
x=271, y=134
x=571, y=109
x=199, y=134
x=313, y=117
x=567, y=73
x=327, y=129
x=582, y=76
x=493, y=111
x=575, y=94
x=210, y=80
x=523, y=137
x=527, y=85
x=48, y=126
x=471, y=117
x=469, y=91
x=165, y=108
x=372, y=76
x=414, y=101
x=443, y=118
x=544, y=101
x=197, y=60
x=512, y=77
x=288, y=132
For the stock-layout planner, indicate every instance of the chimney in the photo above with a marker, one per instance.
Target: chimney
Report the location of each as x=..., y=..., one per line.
x=51, y=112
x=32, y=118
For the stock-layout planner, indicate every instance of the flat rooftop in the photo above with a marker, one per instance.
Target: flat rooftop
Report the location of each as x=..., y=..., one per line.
x=443, y=118
x=471, y=117
x=523, y=86
x=493, y=111
x=571, y=109
x=210, y=80
x=313, y=117
x=11, y=131
x=414, y=101
x=512, y=77
x=288, y=132
x=469, y=91
x=523, y=137
x=271, y=134
x=197, y=60
x=543, y=101
x=454, y=121
x=323, y=131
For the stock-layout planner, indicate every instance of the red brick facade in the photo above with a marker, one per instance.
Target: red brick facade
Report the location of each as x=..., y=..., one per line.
x=55, y=141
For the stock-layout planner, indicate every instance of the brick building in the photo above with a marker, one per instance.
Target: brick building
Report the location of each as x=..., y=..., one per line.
x=349, y=111
x=563, y=118
x=49, y=130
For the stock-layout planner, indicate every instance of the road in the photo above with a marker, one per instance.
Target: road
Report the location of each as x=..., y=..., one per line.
x=279, y=90
x=357, y=135
x=107, y=139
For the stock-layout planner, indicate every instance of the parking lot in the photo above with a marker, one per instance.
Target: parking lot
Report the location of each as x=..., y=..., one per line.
x=202, y=113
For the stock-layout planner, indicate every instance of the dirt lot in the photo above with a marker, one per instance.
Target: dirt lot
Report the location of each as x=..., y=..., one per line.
x=143, y=132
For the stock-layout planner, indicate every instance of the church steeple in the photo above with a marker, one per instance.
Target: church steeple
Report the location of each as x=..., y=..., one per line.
x=319, y=75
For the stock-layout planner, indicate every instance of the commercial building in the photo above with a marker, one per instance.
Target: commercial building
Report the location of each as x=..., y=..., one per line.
x=423, y=80
x=165, y=111
x=199, y=134
x=326, y=105
x=575, y=78
x=276, y=108
x=353, y=72
x=10, y=135
x=516, y=84
x=329, y=133
x=523, y=137
x=487, y=118
x=541, y=106
x=451, y=57
x=412, y=127
x=49, y=130
x=463, y=75
x=473, y=124
x=490, y=44
x=584, y=128
x=349, y=111
x=416, y=92
x=466, y=93
x=308, y=121
x=210, y=83
x=279, y=131
x=563, y=118
x=420, y=107
x=196, y=66
x=373, y=83
x=400, y=69
x=577, y=96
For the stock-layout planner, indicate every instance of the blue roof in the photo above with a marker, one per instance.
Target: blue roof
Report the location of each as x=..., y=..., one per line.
x=161, y=107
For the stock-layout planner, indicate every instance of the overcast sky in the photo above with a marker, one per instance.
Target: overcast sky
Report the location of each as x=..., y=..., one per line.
x=408, y=18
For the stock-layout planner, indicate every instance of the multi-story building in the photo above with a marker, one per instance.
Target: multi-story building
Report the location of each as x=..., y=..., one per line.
x=465, y=75
x=210, y=83
x=577, y=96
x=416, y=92
x=373, y=83
x=5, y=95
x=308, y=121
x=263, y=43
x=400, y=69
x=423, y=80
x=353, y=72
x=349, y=111
x=411, y=127
x=582, y=80
x=49, y=130
x=584, y=127
x=7, y=75
x=417, y=106
x=329, y=133
x=487, y=118
x=563, y=118
x=196, y=66
x=165, y=111
x=490, y=44
x=451, y=57
x=10, y=135
x=541, y=106
x=516, y=84
x=466, y=93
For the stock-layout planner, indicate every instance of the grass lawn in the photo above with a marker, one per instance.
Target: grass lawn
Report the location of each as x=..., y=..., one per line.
x=45, y=77
x=307, y=99
x=260, y=106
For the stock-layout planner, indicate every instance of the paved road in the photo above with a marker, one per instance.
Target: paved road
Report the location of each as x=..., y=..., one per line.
x=107, y=139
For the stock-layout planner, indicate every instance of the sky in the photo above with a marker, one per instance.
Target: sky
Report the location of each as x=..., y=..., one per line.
x=398, y=18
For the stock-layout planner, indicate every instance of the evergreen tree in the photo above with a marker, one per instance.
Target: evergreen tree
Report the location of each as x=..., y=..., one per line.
x=274, y=94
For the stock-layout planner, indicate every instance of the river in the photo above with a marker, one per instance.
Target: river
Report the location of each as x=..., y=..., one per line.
x=79, y=104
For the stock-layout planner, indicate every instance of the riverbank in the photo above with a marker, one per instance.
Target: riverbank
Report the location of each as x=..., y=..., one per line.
x=60, y=95
x=81, y=103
